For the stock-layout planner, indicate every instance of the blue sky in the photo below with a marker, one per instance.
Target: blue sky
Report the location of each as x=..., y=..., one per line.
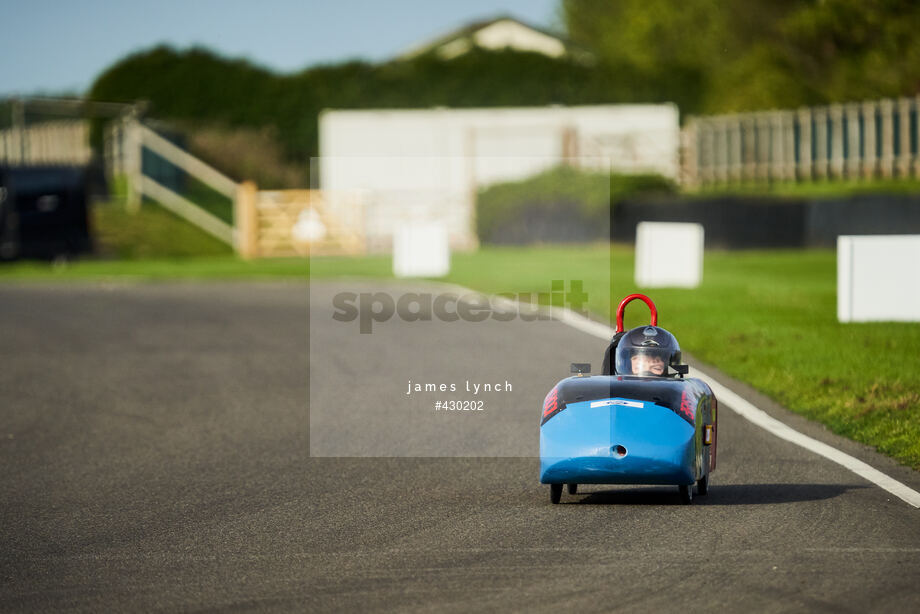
x=53, y=46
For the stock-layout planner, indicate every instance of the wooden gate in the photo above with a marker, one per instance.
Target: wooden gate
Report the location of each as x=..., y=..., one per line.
x=285, y=223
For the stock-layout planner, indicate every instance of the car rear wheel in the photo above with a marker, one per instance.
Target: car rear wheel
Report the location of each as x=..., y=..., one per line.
x=555, y=492
x=686, y=493
x=573, y=489
x=702, y=485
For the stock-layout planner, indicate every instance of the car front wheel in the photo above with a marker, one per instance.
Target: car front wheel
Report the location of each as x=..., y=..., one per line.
x=555, y=492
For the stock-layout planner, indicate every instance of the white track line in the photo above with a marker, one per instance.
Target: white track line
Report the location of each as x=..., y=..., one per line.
x=784, y=431
x=751, y=412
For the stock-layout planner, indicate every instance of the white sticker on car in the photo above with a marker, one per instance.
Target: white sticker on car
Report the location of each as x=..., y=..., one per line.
x=616, y=402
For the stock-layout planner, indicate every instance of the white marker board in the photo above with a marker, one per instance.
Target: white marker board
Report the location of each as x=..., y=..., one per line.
x=669, y=255
x=878, y=278
x=420, y=249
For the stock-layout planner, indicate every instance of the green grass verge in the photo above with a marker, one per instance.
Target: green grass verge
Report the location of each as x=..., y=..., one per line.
x=151, y=232
x=213, y=267
x=160, y=269
x=764, y=317
x=831, y=188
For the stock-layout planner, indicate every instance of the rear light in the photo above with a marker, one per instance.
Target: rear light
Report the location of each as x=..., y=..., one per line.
x=552, y=405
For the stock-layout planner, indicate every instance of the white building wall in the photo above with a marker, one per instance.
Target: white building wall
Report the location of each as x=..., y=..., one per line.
x=426, y=165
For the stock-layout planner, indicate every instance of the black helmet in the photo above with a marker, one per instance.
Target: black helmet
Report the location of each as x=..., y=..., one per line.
x=652, y=343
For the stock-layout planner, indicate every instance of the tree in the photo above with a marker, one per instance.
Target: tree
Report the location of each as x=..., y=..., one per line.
x=680, y=49
x=717, y=56
x=855, y=49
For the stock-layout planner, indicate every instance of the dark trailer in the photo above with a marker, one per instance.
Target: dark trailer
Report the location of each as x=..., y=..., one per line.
x=44, y=212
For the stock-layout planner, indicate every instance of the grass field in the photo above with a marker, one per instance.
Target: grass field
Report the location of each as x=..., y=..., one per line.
x=764, y=317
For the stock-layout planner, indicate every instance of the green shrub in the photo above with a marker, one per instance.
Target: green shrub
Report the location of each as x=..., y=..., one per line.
x=562, y=204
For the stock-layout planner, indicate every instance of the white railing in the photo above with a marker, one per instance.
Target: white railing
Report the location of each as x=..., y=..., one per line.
x=124, y=144
x=866, y=140
x=266, y=223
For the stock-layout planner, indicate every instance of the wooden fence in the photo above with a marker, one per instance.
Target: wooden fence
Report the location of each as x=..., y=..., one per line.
x=867, y=140
x=284, y=223
x=50, y=142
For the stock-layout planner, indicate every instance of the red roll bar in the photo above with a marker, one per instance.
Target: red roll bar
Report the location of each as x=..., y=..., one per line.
x=627, y=300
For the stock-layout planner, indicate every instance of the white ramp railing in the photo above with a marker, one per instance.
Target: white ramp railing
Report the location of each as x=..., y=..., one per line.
x=127, y=142
x=266, y=224
x=187, y=210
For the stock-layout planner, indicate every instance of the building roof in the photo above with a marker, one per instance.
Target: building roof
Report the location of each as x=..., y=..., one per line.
x=499, y=32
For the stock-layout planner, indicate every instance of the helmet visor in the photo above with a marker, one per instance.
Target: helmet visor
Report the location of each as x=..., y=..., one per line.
x=644, y=361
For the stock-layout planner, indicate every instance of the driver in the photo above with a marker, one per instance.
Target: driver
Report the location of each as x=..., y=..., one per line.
x=647, y=351
x=645, y=363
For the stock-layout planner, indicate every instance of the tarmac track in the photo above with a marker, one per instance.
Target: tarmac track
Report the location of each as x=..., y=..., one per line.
x=155, y=450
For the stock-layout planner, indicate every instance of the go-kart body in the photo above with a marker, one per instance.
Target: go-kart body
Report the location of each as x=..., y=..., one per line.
x=628, y=430
x=618, y=428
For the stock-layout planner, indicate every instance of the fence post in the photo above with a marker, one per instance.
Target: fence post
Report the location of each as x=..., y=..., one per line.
x=246, y=216
x=887, y=162
x=762, y=154
x=689, y=152
x=804, y=170
x=904, y=137
x=789, y=145
x=749, y=149
x=775, y=169
x=853, y=161
x=720, y=154
x=708, y=149
x=112, y=147
x=916, y=162
x=715, y=157
x=133, y=168
x=836, y=114
x=821, y=157
x=869, y=144
x=736, y=168
x=700, y=132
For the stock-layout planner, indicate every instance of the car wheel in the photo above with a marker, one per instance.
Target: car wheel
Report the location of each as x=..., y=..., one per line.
x=573, y=489
x=555, y=492
x=686, y=493
x=702, y=485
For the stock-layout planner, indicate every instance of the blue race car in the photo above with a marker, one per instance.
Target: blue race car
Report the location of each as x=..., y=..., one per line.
x=640, y=422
